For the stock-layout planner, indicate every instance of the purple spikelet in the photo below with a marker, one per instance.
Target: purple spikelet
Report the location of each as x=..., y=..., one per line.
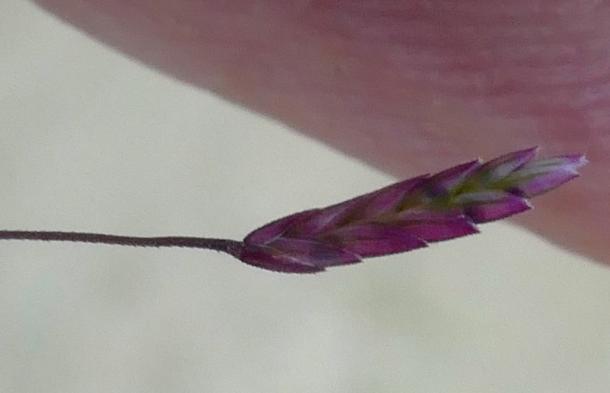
x=407, y=215
x=400, y=217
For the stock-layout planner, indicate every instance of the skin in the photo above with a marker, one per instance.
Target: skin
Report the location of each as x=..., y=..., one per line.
x=407, y=86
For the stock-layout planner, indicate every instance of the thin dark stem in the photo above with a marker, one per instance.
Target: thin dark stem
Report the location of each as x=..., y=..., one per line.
x=231, y=247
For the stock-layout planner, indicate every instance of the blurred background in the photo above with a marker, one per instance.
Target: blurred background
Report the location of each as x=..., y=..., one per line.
x=91, y=141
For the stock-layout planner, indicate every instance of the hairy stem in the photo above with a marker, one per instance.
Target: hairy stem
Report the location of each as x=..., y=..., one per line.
x=231, y=247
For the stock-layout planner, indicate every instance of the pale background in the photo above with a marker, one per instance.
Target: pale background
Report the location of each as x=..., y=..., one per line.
x=92, y=141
